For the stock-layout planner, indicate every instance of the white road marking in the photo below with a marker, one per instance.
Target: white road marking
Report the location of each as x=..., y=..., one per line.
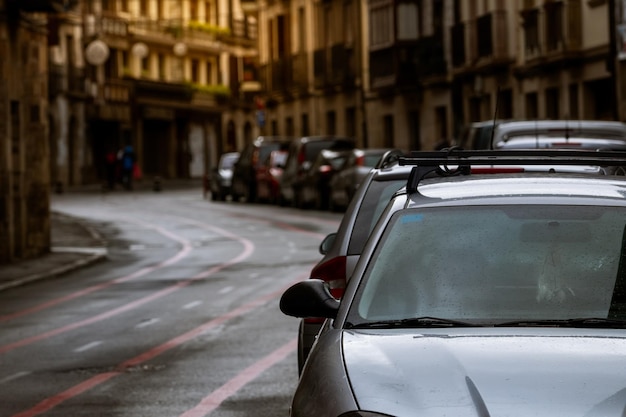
x=88, y=346
x=13, y=377
x=192, y=304
x=147, y=323
x=226, y=290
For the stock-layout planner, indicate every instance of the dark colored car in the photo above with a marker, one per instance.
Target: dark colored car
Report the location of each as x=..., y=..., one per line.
x=341, y=249
x=221, y=176
x=478, y=295
x=250, y=159
x=302, y=154
x=315, y=189
x=344, y=183
x=268, y=177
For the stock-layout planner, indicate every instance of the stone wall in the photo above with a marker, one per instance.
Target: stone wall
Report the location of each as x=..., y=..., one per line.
x=24, y=149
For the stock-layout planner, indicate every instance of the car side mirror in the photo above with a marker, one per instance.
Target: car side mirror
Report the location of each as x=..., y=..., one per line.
x=310, y=298
x=327, y=243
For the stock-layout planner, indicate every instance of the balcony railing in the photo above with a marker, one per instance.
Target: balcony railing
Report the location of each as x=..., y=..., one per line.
x=45, y=6
x=406, y=65
x=300, y=71
x=335, y=66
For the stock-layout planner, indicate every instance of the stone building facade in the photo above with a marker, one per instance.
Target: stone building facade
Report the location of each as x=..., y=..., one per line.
x=24, y=152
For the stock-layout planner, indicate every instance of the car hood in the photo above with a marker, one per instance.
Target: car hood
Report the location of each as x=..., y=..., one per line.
x=491, y=372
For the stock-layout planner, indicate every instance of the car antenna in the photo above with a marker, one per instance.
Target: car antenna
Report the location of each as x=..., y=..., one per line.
x=495, y=118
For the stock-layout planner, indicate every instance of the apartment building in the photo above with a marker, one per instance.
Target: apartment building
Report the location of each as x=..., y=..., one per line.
x=311, y=67
x=410, y=73
x=174, y=78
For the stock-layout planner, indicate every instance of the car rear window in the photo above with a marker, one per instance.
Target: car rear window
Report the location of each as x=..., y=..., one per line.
x=266, y=149
x=374, y=202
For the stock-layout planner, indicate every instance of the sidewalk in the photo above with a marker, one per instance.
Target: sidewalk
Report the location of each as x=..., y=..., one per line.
x=73, y=245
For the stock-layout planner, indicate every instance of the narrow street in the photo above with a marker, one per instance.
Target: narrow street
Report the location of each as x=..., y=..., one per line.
x=181, y=319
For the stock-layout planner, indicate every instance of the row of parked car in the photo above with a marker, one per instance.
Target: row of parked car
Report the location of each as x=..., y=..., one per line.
x=320, y=172
x=479, y=282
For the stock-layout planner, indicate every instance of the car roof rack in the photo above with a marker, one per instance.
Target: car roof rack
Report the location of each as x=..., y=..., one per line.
x=439, y=162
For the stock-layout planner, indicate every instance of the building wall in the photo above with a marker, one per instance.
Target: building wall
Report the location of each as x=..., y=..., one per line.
x=24, y=154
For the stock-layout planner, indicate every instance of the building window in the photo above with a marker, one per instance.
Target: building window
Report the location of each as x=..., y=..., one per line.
x=193, y=10
x=209, y=73
x=348, y=22
x=441, y=123
x=351, y=121
x=573, y=101
x=331, y=123
x=414, y=131
x=125, y=6
x=552, y=103
x=143, y=7
x=484, y=35
x=554, y=25
x=381, y=25
x=195, y=71
x=162, y=67
x=145, y=66
x=388, y=131
x=532, y=106
x=531, y=31
x=289, y=128
x=208, y=12
x=408, y=21
x=304, y=128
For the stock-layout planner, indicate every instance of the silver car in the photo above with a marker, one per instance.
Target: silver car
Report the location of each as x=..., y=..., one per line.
x=478, y=295
x=560, y=134
x=341, y=249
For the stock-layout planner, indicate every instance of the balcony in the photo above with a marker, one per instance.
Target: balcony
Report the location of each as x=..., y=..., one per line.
x=335, y=67
x=44, y=6
x=489, y=38
x=457, y=35
x=300, y=66
x=559, y=43
x=407, y=65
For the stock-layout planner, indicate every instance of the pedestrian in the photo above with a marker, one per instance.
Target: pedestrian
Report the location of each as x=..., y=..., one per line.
x=110, y=161
x=127, y=163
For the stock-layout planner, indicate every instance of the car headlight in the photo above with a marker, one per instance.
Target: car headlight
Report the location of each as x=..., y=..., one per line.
x=364, y=414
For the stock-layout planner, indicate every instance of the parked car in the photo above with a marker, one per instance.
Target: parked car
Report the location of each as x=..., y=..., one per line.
x=221, y=176
x=268, y=176
x=302, y=153
x=341, y=249
x=477, y=135
x=346, y=181
x=245, y=170
x=500, y=294
x=315, y=188
x=562, y=134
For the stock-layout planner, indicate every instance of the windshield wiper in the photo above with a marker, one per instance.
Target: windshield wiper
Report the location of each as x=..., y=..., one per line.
x=583, y=322
x=414, y=322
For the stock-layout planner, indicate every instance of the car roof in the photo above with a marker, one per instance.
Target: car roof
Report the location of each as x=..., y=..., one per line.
x=272, y=139
x=448, y=176
x=561, y=128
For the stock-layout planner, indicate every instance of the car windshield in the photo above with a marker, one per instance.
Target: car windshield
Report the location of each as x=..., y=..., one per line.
x=490, y=265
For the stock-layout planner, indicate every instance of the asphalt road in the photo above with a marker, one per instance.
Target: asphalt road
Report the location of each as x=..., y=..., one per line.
x=181, y=319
